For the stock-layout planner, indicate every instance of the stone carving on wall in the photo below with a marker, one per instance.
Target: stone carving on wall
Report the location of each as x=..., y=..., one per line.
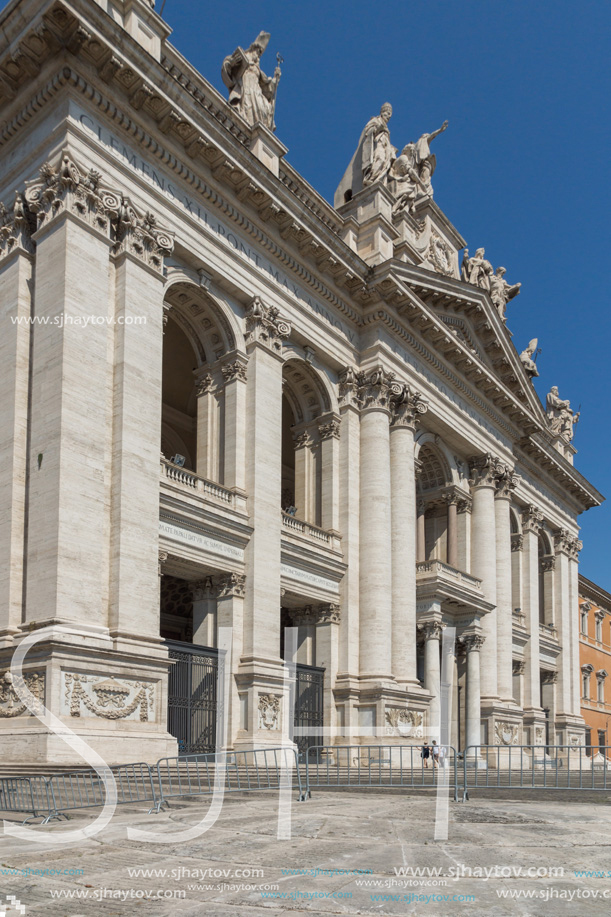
x=85, y=196
x=230, y=584
x=487, y=470
x=234, y=370
x=250, y=90
x=576, y=739
x=404, y=722
x=269, y=711
x=528, y=357
x=264, y=326
x=506, y=733
x=310, y=615
x=561, y=418
x=107, y=698
x=539, y=735
x=10, y=703
x=329, y=430
x=369, y=389
x=440, y=255
x=15, y=227
x=565, y=543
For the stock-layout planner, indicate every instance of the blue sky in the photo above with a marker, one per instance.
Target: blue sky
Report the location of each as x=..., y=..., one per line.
x=523, y=168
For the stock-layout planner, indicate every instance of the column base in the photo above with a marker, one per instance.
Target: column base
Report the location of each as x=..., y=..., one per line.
x=502, y=723
x=111, y=693
x=264, y=713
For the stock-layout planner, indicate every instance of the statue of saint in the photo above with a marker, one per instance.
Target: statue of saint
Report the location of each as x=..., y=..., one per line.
x=378, y=151
x=477, y=270
x=560, y=417
x=405, y=181
x=250, y=90
x=372, y=159
x=527, y=358
x=425, y=160
x=501, y=291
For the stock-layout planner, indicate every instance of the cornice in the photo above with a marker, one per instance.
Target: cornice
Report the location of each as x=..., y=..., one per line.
x=545, y=458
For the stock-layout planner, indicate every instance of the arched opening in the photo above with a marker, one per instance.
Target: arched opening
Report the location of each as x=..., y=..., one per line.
x=309, y=436
x=196, y=340
x=433, y=480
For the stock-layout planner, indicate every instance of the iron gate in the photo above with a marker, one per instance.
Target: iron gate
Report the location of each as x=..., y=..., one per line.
x=309, y=715
x=192, y=700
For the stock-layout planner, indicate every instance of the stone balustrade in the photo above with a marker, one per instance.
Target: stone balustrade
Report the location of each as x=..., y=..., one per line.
x=305, y=528
x=548, y=630
x=191, y=481
x=440, y=569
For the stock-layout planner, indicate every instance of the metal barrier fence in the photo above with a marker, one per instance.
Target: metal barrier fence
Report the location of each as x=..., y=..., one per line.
x=380, y=766
x=558, y=767
x=236, y=771
x=26, y=794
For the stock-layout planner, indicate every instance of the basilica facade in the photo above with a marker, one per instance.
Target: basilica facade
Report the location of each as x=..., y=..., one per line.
x=230, y=407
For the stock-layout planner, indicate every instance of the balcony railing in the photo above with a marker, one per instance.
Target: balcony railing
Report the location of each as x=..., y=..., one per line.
x=548, y=630
x=192, y=481
x=519, y=618
x=439, y=568
x=305, y=528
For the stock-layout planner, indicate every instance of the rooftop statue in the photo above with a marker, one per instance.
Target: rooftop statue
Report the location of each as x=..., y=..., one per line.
x=405, y=180
x=372, y=158
x=250, y=90
x=501, y=291
x=528, y=360
x=560, y=417
x=426, y=161
x=477, y=270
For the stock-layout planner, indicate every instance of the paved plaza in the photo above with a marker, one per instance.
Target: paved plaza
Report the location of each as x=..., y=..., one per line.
x=349, y=853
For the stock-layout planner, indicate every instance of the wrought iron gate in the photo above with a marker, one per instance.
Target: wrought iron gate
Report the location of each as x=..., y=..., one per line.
x=192, y=700
x=309, y=715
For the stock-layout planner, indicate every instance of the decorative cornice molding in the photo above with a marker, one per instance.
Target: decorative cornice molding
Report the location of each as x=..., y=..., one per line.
x=265, y=327
x=566, y=543
x=230, y=585
x=311, y=615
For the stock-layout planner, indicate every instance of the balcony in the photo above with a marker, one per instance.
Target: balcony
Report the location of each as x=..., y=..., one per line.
x=461, y=592
x=192, y=483
x=548, y=631
x=309, y=531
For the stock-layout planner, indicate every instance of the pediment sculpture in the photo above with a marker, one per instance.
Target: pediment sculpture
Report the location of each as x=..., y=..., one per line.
x=560, y=416
x=478, y=271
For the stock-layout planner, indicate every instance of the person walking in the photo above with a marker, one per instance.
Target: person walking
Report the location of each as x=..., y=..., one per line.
x=435, y=751
x=425, y=752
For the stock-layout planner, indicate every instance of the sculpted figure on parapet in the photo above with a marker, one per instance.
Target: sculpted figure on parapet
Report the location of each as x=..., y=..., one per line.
x=528, y=357
x=250, y=90
x=560, y=417
x=478, y=271
x=375, y=161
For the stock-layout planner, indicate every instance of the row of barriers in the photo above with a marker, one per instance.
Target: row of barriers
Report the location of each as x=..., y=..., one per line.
x=322, y=767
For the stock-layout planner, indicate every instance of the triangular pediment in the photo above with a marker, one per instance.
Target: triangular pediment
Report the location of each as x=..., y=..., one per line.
x=460, y=323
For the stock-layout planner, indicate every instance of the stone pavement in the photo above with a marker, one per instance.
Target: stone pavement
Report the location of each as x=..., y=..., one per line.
x=357, y=842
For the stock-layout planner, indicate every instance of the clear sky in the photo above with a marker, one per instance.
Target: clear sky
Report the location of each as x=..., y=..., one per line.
x=523, y=168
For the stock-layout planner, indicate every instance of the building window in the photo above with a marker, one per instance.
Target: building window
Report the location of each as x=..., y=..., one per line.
x=586, y=672
x=584, y=623
x=599, y=628
x=602, y=741
x=600, y=686
x=588, y=742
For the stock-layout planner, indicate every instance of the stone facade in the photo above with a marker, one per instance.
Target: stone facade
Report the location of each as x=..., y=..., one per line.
x=595, y=664
x=350, y=443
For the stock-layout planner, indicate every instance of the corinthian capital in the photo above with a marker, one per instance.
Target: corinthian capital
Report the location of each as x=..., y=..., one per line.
x=506, y=483
x=407, y=407
x=473, y=642
x=485, y=470
x=264, y=326
x=15, y=227
x=532, y=520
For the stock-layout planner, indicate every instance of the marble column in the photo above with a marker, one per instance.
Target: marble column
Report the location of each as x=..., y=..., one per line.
x=407, y=408
x=260, y=673
x=421, y=532
x=473, y=644
x=304, y=476
x=375, y=531
x=432, y=673
x=16, y=270
x=207, y=461
x=327, y=658
x=204, y=613
x=484, y=470
x=234, y=463
x=329, y=432
x=230, y=589
x=506, y=484
x=532, y=520
x=347, y=684
x=451, y=500
x=575, y=548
